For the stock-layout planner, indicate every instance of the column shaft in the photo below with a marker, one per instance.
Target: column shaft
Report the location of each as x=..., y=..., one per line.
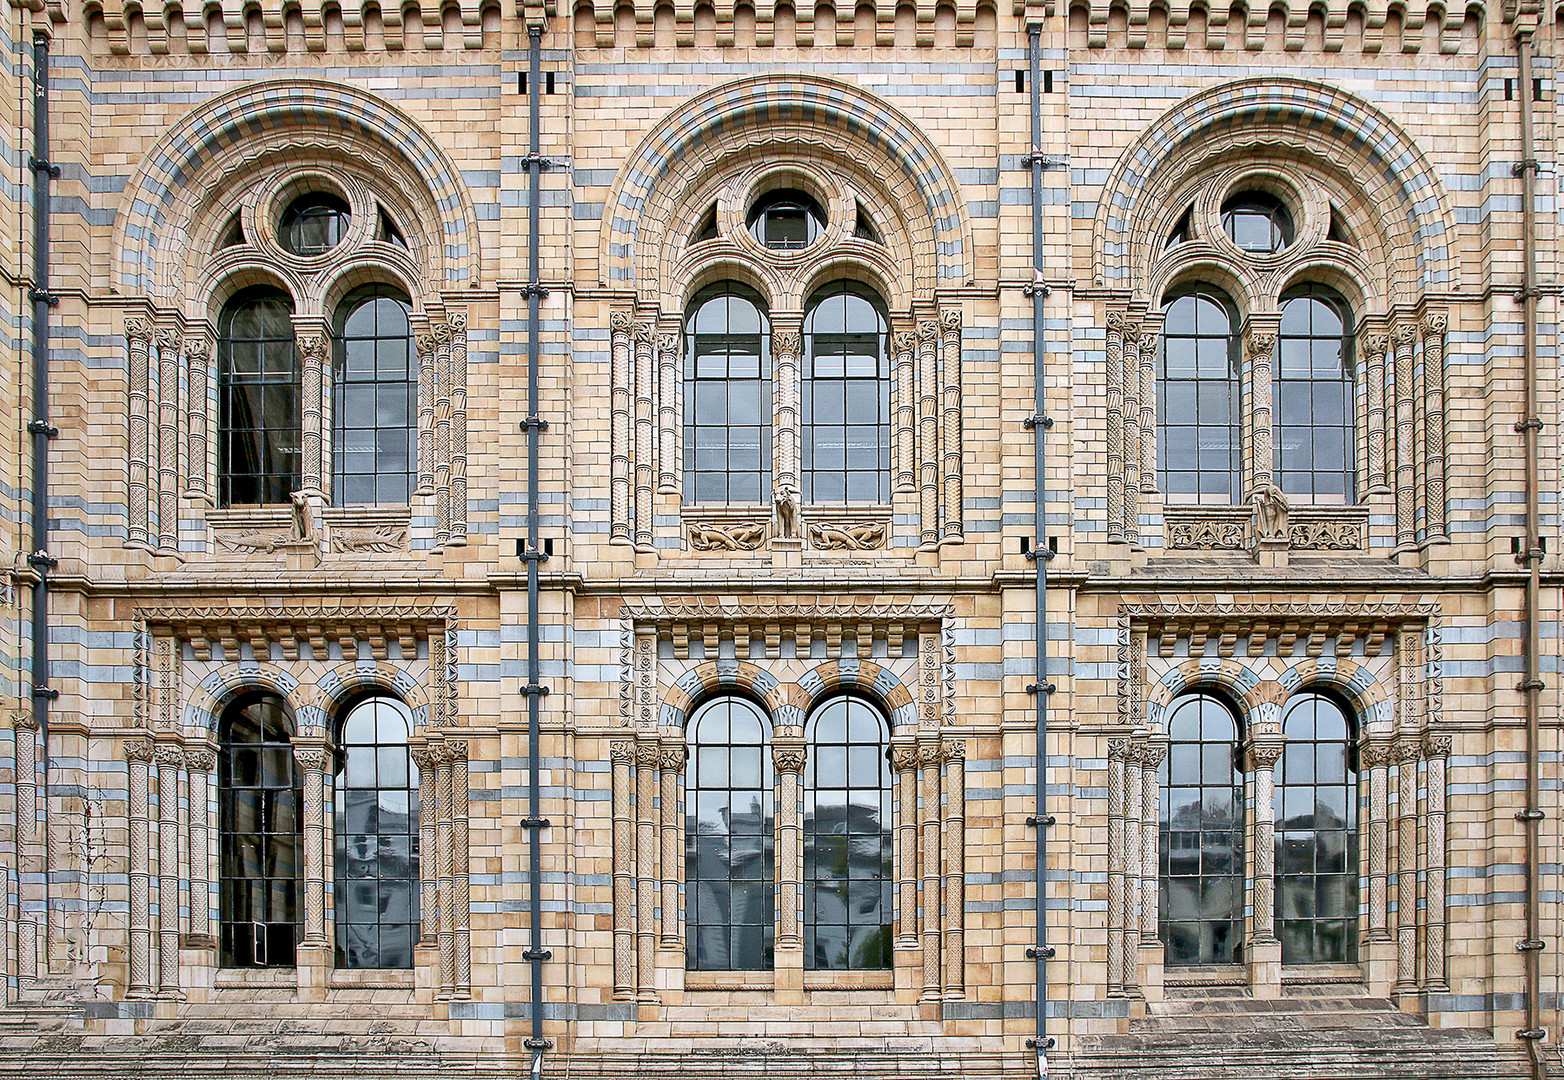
x=955, y=868
x=646, y=758
x=139, y=754
x=622, y=754
x=1134, y=795
x=929, y=820
x=1116, y=748
x=461, y=880
x=169, y=759
x=670, y=765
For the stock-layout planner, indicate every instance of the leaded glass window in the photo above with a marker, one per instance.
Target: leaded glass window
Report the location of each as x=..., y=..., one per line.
x=258, y=420
x=727, y=395
x=1317, y=834
x=1314, y=409
x=729, y=880
x=259, y=792
x=374, y=400
x=377, y=838
x=847, y=839
x=1198, y=401
x=1200, y=910
x=846, y=397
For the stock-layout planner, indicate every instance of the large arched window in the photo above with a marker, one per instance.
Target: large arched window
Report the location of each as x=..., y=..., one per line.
x=727, y=397
x=729, y=907
x=377, y=838
x=1315, y=421
x=847, y=839
x=258, y=805
x=1317, y=834
x=374, y=399
x=846, y=397
x=1200, y=910
x=258, y=420
x=1198, y=401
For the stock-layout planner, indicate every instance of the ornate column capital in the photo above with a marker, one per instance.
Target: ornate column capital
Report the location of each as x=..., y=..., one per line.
x=671, y=758
x=786, y=341
x=456, y=750
x=457, y=321
x=1374, y=344
x=904, y=757
x=928, y=331
x=955, y=750
x=1153, y=753
x=312, y=757
x=789, y=757
x=1404, y=334
x=1435, y=323
x=24, y=721
x=140, y=749
x=1374, y=755
x=1263, y=755
x=930, y=755
x=906, y=341
x=423, y=756
x=169, y=754
x=1407, y=749
x=1437, y=745
x=621, y=752
x=620, y=322
x=647, y=755
x=200, y=759
x=139, y=329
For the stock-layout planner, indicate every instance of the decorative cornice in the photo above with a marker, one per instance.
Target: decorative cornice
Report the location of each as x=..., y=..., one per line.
x=719, y=609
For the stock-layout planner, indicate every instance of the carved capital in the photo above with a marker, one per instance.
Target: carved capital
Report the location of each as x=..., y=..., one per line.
x=1263, y=755
x=169, y=754
x=930, y=755
x=424, y=757
x=142, y=750
x=1374, y=756
x=785, y=342
x=457, y=321
x=646, y=755
x=950, y=320
x=620, y=321
x=1148, y=342
x=668, y=343
x=955, y=750
x=621, y=752
x=456, y=750
x=904, y=757
x=312, y=758
x=24, y=722
x=928, y=331
x=1261, y=342
x=788, y=757
x=1117, y=748
x=168, y=338
x=1437, y=746
x=441, y=332
x=312, y=347
x=138, y=329
x=906, y=341
x=1374, y=344
x=426, y=345
x=1404, y=334
x=642, y=332
x=1407, y=750
x=200, y=760
x=198, y=347
x=1435, y=323
x=1152, y=754
x=1119, y=322
x=671, y=758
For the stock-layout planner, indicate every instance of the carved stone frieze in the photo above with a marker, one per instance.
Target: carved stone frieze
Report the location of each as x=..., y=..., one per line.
x=381, y=539
x=1207, y=536
x=847, y=535
x=1326, y=535
x=267, y=541
x=727, y=536
x=698, y=609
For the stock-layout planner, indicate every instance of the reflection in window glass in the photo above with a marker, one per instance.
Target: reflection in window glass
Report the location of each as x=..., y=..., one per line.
x=258, y=421
x=786, y=220
x=258, y=801
x=846, y=397
x=1315, y=424
x=1200, y=910
x=377, y=838
x=847, y=839
x=1198, y=401
x=313, y=224
x=374, y=400
x=727, y=397
x=729, y=909
x=1258, y=223
x=1317, y=835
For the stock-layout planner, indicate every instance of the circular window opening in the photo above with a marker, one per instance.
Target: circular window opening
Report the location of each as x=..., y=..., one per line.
x=786, y=220
x=1258, y=223
x=314, y=224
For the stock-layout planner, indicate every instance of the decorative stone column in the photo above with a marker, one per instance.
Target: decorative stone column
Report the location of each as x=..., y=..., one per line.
x=199, y=762
x=1259, y=345
x=950, y=426
x=1152, y=755
x=1132, y=433
x=1403, y=337
x=428, y=857
x=314, y=354
x=426, y=392
x=169, y=759
x=787, y=758
x=457, y=320
x=622, y=754
x=1265, y=951
x=786, y=343
x=670, y=764
x=1433, y=327
x=198, y=357
x=1407, y=752
x=445, y=843
x=314, y=951
x=906, y=347
x=928, y=431
x=1436, y=754
x=139, y=753
x=904, y=762
x=1148, y=413
x=1116, y=751
x=1134, y=804
x=168, y=349
x=138, y=333
x=668, y=465
x=955, y=868
x=620, y=324
x=646, y=760
x=461, y=881
x=1119, y=329
x=645, y=379
x=929, y=757
x=1373, y=347
x=31, y=860
x=441, y=331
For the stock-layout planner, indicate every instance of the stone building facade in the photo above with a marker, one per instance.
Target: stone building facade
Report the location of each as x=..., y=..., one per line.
x=738, y=313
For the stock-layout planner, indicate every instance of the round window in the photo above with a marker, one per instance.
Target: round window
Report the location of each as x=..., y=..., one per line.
x=1258, y=223
x=313, y=224
x=786, y=220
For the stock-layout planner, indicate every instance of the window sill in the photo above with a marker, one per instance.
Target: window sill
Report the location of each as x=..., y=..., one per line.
x=254, y=978
x=1205, y=975
x=729, y=980
x=1321, y=974
x=850, y=980
x=371, y=979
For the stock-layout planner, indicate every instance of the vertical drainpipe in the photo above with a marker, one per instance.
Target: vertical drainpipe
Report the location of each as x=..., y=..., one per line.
x=533, y=554
x=1530, y=556
x=39, y=427
x=1040, y=552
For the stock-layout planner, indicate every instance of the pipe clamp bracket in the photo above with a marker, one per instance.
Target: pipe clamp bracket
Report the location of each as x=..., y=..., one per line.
x=1042, y=419
x=1532, y=1033
x=48, y=692
x=1046, y=821
x=534, y=422
x=534, y=688
x=47, y=298
x=534, y=823
x=1044, y=1043
x=1532, y=814
x=1045, y=953
x=1046, y=688
x=1525, y=165
x=38, y=164
x=1531, y=684
x=537, y=954
x=1531, y=945
x=538, y=1044
x=534, y=289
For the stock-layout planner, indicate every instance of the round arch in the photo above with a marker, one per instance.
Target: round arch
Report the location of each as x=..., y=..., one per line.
x=865, y=678
x=1256, y=700
x=341, y=685
x=214, y=693
x=1361, y=689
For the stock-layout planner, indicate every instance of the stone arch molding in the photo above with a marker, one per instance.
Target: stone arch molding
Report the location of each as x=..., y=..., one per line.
x=1307, y=123
x=778, y=116
x=315, y=707
x=218, y=144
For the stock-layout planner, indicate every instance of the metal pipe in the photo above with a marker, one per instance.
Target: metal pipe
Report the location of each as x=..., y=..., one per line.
x=532, y=552
x=1041, y=551
x=1530, y=428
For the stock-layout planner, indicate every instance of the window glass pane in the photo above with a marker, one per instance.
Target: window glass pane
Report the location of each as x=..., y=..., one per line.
x=1315, y=436
x=375, y=399
x=258, y=865
x=1316, y=833
x=846, y=428
x=1199, y=439
x=257, y=399
x=377, y=826
x=727, y=395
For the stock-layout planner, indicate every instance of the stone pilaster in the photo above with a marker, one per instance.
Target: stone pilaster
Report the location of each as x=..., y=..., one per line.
x=621, y=324
x=1436, y=755
x=457, y=321
x=138, y=333
x=1132, y=434
x=1148, y=413
x=1134, y=794
x=905, y=349
x=441, y=331
x=670, y=764
x=139, y=754
x=645, y=448
x=168, y=352
x=198, y=360
x=1406, y=753
x=950, y=426
x=461, y=881
x=622, y=754
x=425, y=343
x=199, y=762
x=1119, y=329
x=928, y=431
x=904, y=761
x=1373, y=347
x=1151, y=954
x=314, y=354
x=1259, y=347
x=646, y=760
x=1433, y=451
x=169, y=759
x=787, y=401
x=955, y=868
x=1403, y=337
x=1116, y=752
x=428, y=860
x=1265, y=952
x=929, y=759
x=668, y=382
x=445, y=845
x=787, y=758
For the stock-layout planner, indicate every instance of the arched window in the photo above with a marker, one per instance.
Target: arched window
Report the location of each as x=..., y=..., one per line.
x=1317, y=834
x=258, y=420
x=1200, y=909
x=847, y=839
x=1198, y=401
x=1257, y=222
x=846, y=397
x=1315, y=421
x=377, y=838
x=374, y=400
x=258, y=806
x=729, y=909
x=727, y=395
